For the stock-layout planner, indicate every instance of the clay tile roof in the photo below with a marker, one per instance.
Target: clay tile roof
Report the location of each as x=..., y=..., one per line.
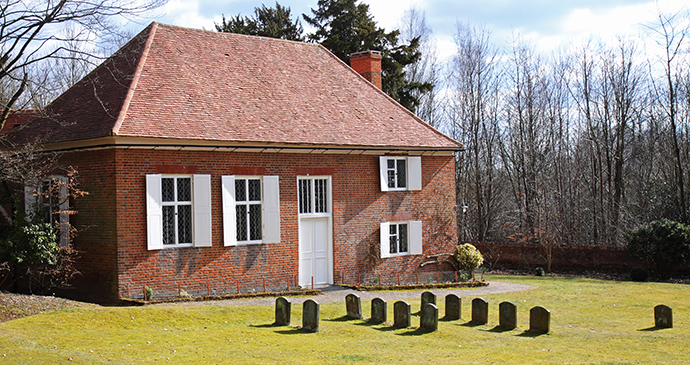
x=177, y=83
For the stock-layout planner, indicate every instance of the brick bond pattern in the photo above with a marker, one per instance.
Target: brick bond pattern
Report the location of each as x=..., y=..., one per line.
x=115, y=262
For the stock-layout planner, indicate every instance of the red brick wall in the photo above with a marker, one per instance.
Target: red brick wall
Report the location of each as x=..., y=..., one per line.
x=358, y=208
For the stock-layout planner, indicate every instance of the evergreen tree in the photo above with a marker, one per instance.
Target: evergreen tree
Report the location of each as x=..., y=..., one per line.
x=345, y=27
x=267, y=22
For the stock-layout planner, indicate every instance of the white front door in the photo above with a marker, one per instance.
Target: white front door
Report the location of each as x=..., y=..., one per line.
x=315, y=232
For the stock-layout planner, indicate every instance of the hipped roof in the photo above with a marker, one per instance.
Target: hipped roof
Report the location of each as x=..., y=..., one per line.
x=173, y=83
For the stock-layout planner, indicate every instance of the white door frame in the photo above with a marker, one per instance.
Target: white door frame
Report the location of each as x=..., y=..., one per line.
x=306, y=216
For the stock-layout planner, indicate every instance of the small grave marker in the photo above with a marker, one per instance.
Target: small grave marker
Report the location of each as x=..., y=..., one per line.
x=663, y=316
x=429, y=318
x=453, y=307
x=379, y=310
x=539, y=320
x=353, y=304
x=310, y=315
x=401, y=314
x=507, y=315
x=428, y=298
x=480, y=311
x=283, y=308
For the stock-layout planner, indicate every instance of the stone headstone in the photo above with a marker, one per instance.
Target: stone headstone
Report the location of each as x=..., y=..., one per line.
x=310, y=315
x=480, y=311
x=507, y=315
x=283, y=308
x=379, y=311
x=428, y=320
x=354, y=306
x=663, y=316
x=428, y=298
x=401, y=314
x=539, y=320
x=453, y=307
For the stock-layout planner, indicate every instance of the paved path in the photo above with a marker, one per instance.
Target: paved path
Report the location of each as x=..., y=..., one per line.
x=338, y=293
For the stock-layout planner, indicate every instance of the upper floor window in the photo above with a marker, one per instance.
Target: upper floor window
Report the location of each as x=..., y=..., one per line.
x=400, y=173
x=401, y=238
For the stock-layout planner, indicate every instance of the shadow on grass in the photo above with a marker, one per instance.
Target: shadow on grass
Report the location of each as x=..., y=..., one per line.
x=344, y=318
x=267, y=325
x=294, y=331
x=387, y=328
x=529, y=333
x=499, y=329
x=654, y=328
x=416, y=332
x=446, y=319
x=472, y=324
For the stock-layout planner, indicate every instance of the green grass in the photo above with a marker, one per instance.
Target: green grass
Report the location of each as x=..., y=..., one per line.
x=592, y=322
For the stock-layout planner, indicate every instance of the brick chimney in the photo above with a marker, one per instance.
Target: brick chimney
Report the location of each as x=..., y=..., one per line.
x=368, y=64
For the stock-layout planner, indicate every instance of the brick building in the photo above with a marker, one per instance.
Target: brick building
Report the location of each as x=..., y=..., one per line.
x=213, y=159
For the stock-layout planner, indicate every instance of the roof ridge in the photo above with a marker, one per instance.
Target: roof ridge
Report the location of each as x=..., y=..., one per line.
x=135, y=79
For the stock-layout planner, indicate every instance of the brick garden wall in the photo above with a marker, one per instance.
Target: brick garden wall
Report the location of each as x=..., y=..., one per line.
x=522, y=256
x=115, y=210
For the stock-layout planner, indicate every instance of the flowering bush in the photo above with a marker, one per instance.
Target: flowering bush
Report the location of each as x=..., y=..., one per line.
x=468, y=257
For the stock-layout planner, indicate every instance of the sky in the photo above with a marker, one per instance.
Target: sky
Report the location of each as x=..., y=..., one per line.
x=548, y=24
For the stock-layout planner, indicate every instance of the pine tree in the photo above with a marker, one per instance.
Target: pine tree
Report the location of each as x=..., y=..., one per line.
x=267, y=22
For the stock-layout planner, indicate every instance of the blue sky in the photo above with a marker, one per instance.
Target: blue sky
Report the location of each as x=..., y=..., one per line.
x=548, y=24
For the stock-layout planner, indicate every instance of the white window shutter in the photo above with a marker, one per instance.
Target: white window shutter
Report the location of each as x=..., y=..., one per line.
x=414, y=173
x=385, y=240
x=415, y=235
x=229, y=212
x=64, y=206
x=154, y=213
x=29, y=202
x=271, y=205
x=383, y=171
x=202, y=211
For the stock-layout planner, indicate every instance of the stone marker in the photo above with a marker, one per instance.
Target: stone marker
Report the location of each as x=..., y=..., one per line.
x=428, y=298
x=283, y=307
x=354, y=306
x=379, y=311
x=480, y=311
x=429, y=318
x=453, y=306
x=539, y=320
x=507, y=315
x=663, y=316
x=401, y=314
x=310, y=315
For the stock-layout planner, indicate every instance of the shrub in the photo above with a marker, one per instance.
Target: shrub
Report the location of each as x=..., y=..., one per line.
x=639, y=274
x=539, y=271
x=468, y=257
x=664, y=244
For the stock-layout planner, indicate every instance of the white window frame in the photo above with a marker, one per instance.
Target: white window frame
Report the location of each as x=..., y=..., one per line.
x=414, y=239
x=200, y=215
x=270, y=210
x=413, y=171
x=327, y=198
x=33, y=196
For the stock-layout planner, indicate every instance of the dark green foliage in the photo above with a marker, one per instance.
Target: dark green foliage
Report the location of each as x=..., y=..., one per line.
x=639, y=274
x=664, y=244
x=345, y=27
x=539, y=271
x=267, y=22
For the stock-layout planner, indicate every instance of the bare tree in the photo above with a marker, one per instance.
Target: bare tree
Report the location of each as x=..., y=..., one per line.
x=31, y=32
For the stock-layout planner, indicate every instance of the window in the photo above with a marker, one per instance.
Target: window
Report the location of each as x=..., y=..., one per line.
x=251, y=210
x=50, y=201
x=401, y=238
x=400, y=173
x=313, y=195
x=178, y=210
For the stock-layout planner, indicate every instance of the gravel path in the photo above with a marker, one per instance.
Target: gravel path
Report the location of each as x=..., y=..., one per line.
x=337, y=294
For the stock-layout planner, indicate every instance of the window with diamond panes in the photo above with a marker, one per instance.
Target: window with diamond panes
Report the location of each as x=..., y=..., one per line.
x=313, y=195
x=176, y=194
x=398, y=238
x=397, y=173
x=248, y=209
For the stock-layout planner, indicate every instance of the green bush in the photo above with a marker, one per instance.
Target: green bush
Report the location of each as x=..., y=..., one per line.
x=664, y=244
x=468, y=257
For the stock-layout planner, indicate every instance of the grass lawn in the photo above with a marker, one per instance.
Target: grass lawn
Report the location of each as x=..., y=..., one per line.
x=592, y=322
